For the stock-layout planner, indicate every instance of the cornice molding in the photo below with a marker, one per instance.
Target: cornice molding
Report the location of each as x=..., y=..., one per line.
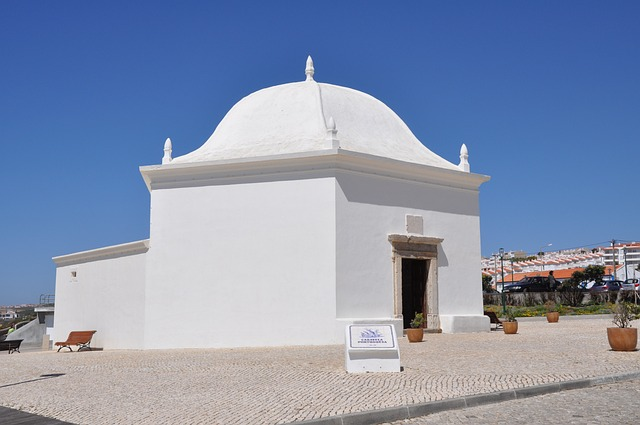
x=114, y=251
x=297, y=165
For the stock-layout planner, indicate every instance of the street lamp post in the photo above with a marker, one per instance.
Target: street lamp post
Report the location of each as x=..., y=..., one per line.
x=541, y=252
x=504, y=304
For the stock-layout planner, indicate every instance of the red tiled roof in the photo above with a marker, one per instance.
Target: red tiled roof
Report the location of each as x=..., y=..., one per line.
x=558, y=274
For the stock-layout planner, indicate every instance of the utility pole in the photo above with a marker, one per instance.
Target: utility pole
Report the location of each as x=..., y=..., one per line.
x=624, y=254
x=495, y=269
x=511, y=268
x=613, y=257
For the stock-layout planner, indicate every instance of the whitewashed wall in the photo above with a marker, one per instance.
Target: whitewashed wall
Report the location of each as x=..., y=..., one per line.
x=249, y=264
x=369, y=208
x=107, y=295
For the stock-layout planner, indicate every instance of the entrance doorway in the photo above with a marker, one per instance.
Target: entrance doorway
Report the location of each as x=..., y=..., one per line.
x=414, y=287
x=415, y=278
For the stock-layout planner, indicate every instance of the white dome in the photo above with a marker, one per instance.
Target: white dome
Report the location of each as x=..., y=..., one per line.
x=296, y=118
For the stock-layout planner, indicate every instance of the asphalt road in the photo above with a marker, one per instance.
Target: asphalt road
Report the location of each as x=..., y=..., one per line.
x=603, y=404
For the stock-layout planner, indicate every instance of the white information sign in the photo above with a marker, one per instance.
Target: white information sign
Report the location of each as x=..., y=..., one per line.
x=371, y=336
x=371, y=348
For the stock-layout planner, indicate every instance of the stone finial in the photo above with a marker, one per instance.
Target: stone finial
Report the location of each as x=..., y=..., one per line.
x=167, y=151
x=464, y=159
x=332, y=133
x=310, y=70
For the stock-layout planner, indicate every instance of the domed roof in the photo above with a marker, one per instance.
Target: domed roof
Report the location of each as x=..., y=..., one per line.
x=308, y=117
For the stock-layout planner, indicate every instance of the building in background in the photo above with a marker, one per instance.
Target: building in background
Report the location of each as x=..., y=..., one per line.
x=7, y=314
x=625, y=256
x=621, y=261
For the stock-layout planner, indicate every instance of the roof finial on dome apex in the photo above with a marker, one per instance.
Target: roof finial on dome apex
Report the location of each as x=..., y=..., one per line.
x=309, y=70
x=167, y=151
x=464, y=159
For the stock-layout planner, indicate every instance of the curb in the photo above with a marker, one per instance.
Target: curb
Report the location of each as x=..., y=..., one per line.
x=413, y=411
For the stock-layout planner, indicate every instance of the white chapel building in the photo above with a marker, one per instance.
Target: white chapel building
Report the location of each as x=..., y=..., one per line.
x=311, y=207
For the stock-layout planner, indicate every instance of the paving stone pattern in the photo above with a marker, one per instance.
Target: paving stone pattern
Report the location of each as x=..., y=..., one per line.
x=293, y=384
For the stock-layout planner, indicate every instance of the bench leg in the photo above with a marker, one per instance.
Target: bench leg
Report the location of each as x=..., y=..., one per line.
x=81, y=346
x=65, y=346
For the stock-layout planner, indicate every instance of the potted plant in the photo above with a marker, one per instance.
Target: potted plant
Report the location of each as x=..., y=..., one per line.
x=623, y=337
x=416, y=332
x=552, y=312
x=510, y=324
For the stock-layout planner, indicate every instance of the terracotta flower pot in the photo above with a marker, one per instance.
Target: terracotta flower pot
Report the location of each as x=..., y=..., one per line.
x=510, y=327
x=622, y=339
x=415, y=334
x=553, y=316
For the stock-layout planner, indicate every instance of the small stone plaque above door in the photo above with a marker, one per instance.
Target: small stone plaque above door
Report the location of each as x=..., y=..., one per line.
x=415, y=224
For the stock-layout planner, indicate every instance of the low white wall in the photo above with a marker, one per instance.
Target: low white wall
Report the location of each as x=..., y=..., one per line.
x=103, y=291
x=31, y=334
x=464, y=323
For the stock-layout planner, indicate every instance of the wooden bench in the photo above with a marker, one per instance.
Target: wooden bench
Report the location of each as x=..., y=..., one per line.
x=13, y=345
x=494, y=320
x=80, y=338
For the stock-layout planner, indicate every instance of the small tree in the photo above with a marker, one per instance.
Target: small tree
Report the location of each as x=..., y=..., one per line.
x=570, y=291
x=418, y=321
x=486, y=283
x=624, y=312
x=592, y=273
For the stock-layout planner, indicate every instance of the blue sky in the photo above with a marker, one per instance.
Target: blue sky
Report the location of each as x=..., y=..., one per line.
x=545, y=94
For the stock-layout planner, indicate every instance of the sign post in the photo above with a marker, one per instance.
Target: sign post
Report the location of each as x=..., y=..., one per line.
x=371, y=348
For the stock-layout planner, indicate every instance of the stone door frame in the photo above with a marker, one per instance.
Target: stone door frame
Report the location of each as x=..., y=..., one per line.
x=419, y=248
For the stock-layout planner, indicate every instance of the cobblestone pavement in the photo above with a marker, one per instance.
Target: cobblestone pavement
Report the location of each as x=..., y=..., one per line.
x=603, y=404
x=292, y=384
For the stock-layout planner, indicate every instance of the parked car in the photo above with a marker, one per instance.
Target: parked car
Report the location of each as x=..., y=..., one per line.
x=586, y=285
x=530, y=284
x=606, y=286
x=631, y=285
